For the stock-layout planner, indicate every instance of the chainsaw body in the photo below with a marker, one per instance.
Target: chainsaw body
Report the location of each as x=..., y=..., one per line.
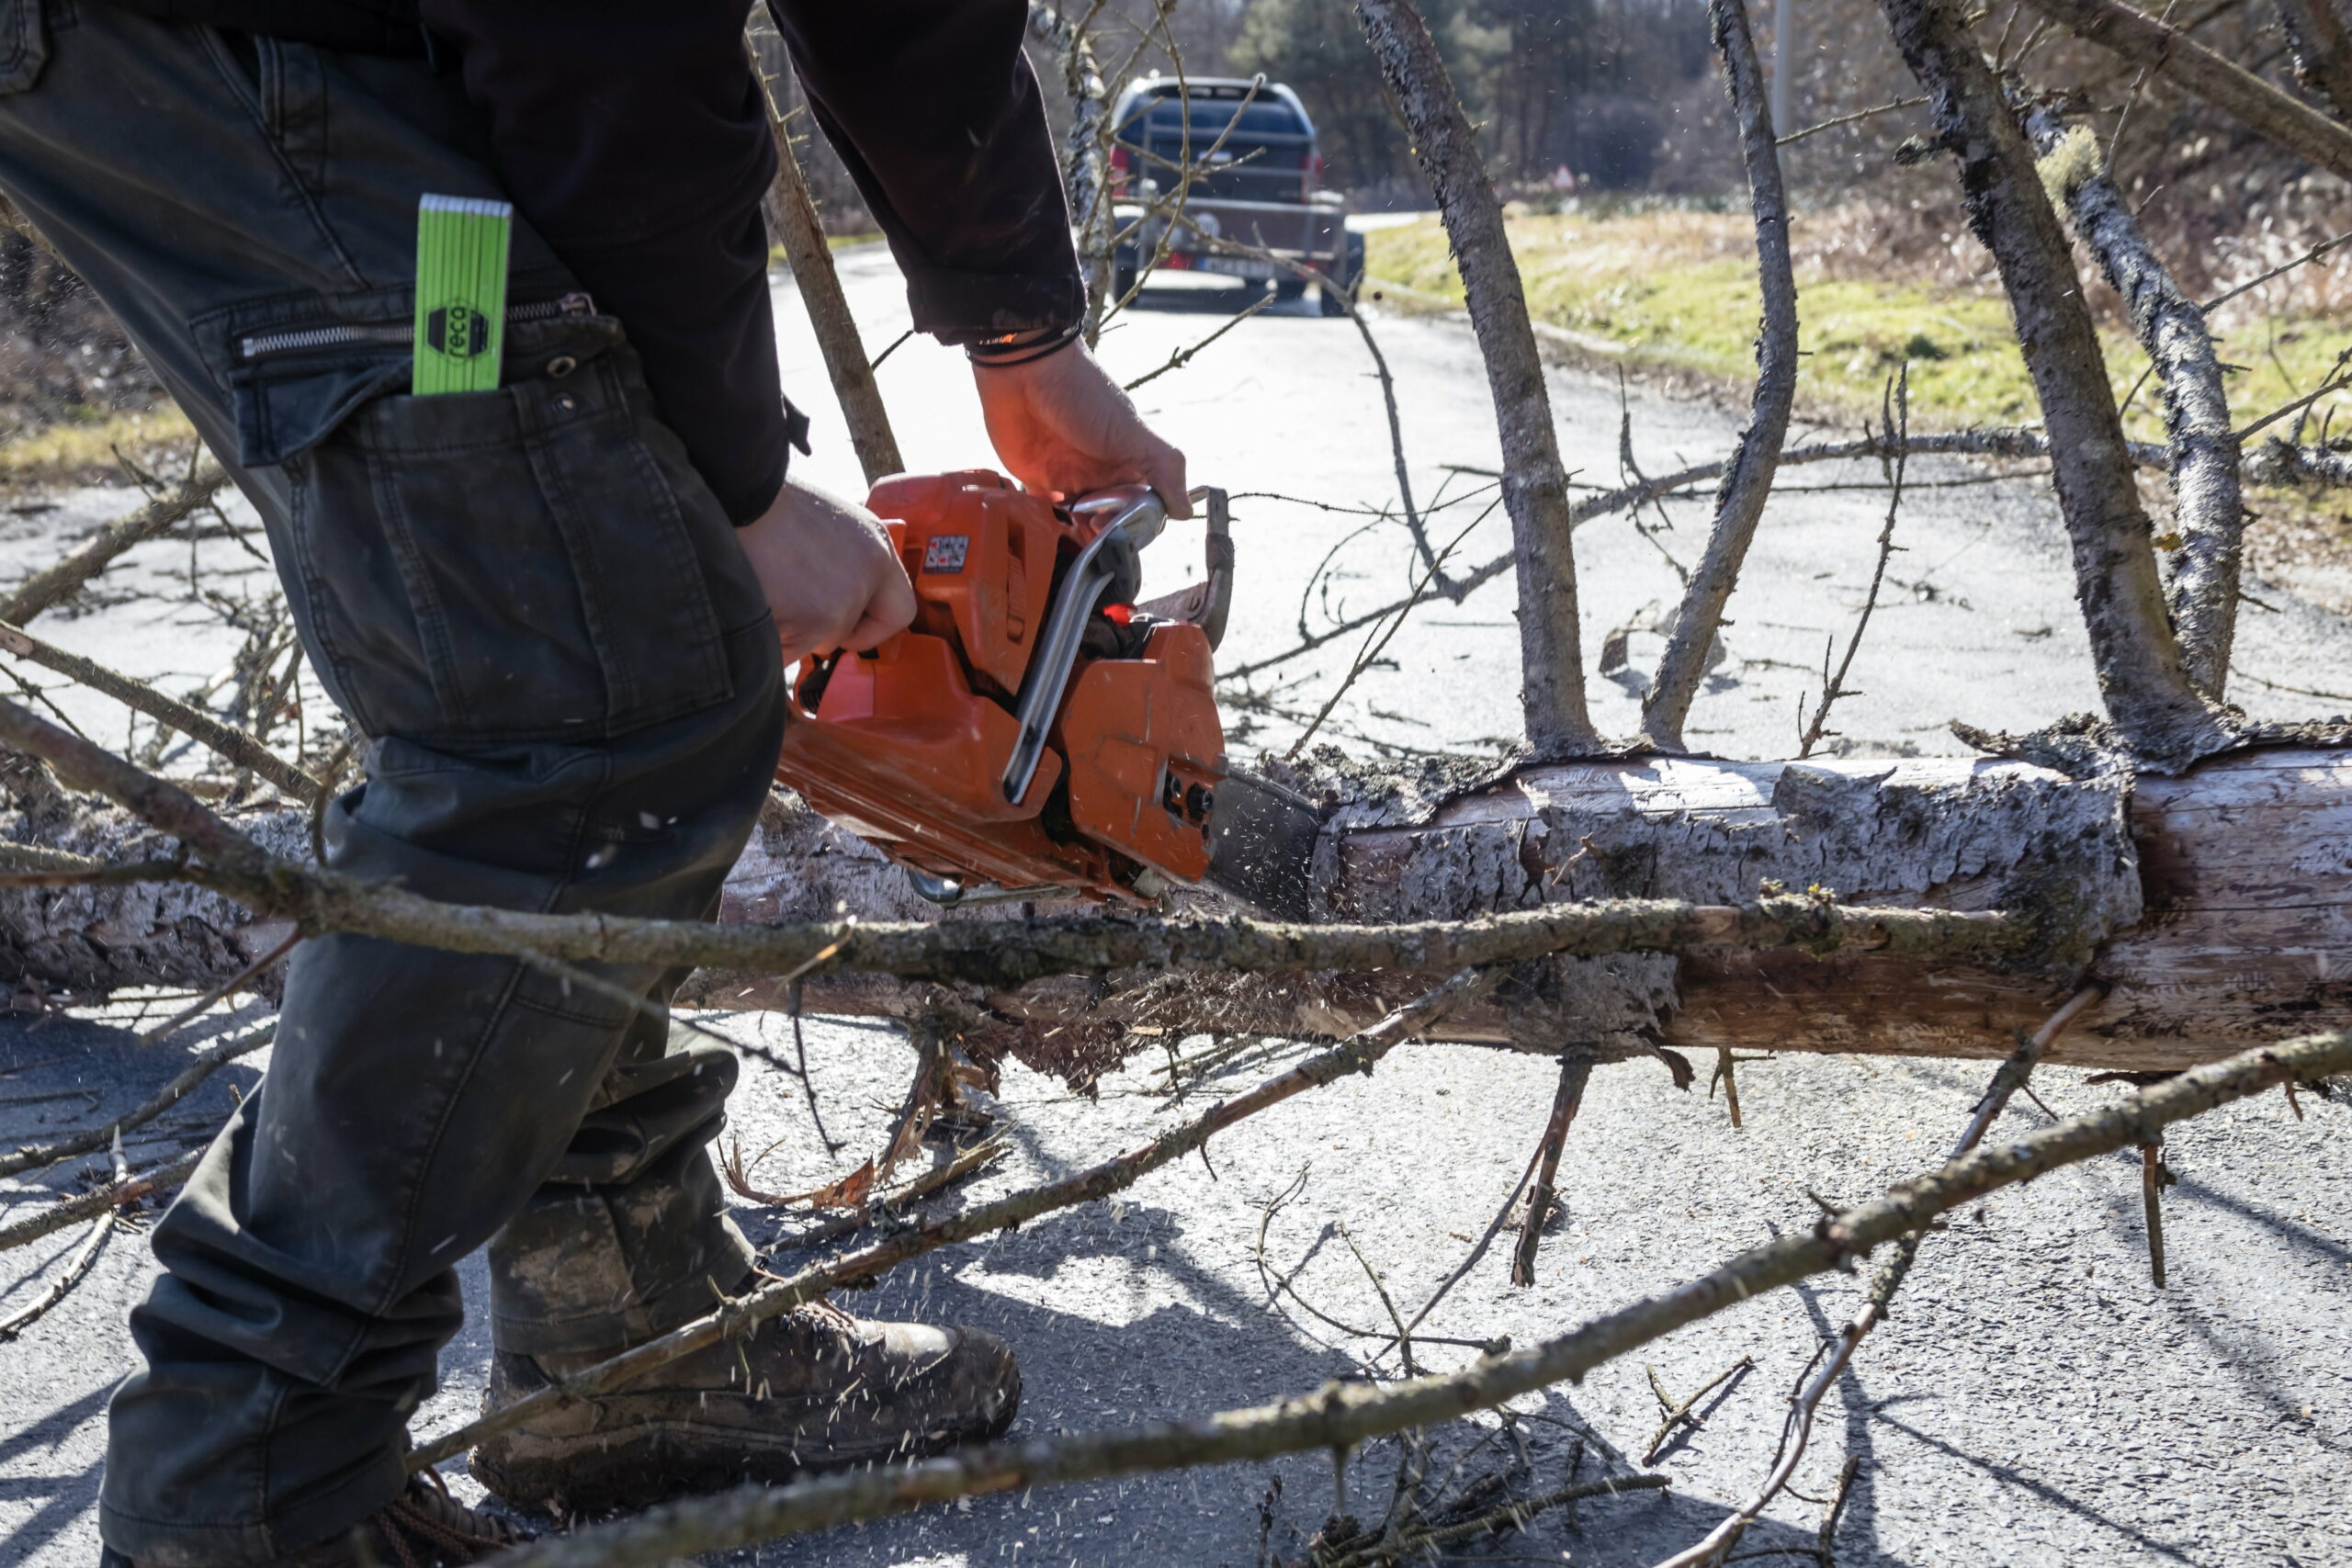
x=1033, y=728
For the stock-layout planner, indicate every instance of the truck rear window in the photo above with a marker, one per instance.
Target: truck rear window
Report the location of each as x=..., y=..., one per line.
x=1211, y=115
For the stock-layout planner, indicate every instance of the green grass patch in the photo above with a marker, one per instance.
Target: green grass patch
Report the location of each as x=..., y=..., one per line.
x=1676, y=290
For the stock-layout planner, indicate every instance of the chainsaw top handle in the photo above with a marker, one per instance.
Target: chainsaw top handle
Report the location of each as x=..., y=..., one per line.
x=1136, y=517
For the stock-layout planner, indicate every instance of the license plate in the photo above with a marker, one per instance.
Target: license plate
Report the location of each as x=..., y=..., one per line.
x=1239, y=267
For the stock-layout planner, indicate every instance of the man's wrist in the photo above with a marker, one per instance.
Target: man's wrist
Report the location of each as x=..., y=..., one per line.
x=1001, y=351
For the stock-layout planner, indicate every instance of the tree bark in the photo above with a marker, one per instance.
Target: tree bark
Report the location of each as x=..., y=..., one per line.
x=2189, y=66
x=1748, y=479
x=2158, y=715
x=2322, y=48
x=1535, y=486
x=2208, y=509
x=820, y=287
x=2211, y=904
x=1085, y=171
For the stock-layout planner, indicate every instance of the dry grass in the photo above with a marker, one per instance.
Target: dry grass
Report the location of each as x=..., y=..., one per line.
x=93, y=448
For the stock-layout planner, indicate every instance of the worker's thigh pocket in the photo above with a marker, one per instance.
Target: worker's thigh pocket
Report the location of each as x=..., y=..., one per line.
x=24, y=43
x=508, y=565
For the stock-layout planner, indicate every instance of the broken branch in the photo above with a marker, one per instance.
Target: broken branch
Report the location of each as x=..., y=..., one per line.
x=1339, y=1416
x=1747, y=480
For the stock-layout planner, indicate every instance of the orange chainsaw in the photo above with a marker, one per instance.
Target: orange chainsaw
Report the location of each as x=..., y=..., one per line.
x=1035, y=728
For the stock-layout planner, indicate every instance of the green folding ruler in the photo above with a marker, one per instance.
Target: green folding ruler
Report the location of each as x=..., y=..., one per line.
x=460, y=292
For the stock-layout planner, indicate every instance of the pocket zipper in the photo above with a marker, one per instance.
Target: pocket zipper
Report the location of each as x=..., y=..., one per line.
x=306, y=339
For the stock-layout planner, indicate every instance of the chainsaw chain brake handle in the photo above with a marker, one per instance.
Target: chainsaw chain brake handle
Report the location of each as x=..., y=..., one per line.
x=1205, y=603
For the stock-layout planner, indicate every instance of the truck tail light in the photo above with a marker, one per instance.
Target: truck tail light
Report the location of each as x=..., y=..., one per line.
x=1119, y=166
x=1310, y=174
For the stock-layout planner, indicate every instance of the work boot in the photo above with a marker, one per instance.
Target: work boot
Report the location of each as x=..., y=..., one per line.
x=813, y=1389
x=422, y=1528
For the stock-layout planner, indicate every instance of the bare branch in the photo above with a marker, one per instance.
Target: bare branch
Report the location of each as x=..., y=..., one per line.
x=1086, y=156
x=1747, y=481
x=1833, y=686
x=2210, y=513
x=1888, y=1279
x=104, y=1201
x=2169, y=52
x=1574, y=1075
x=2323, y=50
x=223, y=739
x=75, y=1267
x=54, y=584
x=2157, y=713
x=1357, y=1056
x=33, y=1156
x=819, y=285
x=1178, y=358
x=1535, y=486
x=1339, y=1416
x=981, y=952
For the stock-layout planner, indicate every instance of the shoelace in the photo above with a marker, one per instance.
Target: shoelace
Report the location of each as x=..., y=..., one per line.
x=426, y=1527
x=823, y=1313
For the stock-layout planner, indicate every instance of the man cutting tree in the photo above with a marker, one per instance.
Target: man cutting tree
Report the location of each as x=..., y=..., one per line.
x=557, y=605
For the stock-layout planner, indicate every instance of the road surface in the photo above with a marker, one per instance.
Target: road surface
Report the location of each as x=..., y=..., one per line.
x=2034, y=1400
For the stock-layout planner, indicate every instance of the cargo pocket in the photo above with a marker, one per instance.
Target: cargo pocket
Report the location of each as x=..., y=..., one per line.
x=504, y=566
x=24, y=43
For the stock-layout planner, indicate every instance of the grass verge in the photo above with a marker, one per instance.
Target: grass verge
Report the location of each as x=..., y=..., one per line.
x=1676, y=291
x=94, y=448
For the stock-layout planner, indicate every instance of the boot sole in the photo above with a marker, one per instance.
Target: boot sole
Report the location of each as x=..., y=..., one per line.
x=641, y=1466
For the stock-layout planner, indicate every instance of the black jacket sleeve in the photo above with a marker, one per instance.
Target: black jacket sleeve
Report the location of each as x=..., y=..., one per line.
x=633, y=138
x=933, y=108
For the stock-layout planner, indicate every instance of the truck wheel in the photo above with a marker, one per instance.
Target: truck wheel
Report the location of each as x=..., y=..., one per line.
x=1123, y=283
x=1290, y=289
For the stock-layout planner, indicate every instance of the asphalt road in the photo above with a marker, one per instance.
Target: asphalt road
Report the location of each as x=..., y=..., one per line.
x=2033, y=1401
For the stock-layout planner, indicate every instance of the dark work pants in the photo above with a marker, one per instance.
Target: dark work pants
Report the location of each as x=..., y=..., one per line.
x=541, y=617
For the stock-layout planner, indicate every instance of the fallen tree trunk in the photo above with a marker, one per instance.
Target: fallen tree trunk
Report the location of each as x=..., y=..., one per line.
x=2212, y=904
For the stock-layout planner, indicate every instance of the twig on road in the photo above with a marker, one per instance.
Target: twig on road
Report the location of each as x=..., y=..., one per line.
x=75, y=1267
x=1575, y=1073
x=103, y=1201
x=1098, y=1181
x=1674, y=1414
x=55, y=584
x=1831, y=1358
x=1337, y=1416
x=2154, y=1179
x=35, y=1156
x=1897, y=420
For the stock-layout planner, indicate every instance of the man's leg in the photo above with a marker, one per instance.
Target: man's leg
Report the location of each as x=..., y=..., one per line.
x=533, y=602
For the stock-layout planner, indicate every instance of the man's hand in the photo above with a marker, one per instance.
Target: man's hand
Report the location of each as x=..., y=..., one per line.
x=829, y=572
x=1064, y=428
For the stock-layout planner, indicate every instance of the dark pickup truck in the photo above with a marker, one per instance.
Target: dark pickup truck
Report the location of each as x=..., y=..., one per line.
x=1255, y=182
